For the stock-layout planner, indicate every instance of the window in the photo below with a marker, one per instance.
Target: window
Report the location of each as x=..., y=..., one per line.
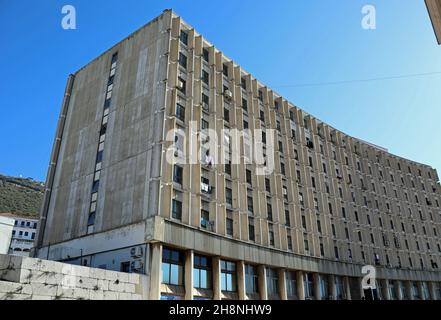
x=250, y=203
x=267, y=185
x=251, y=279
x=248, y=176
x=308, y=284
x=226, y=115
x=260, y=96
x=172, y=267
x=99, y=156
x=287, y=218
x=243, y=83
x=324, y=287
x=95, y=186
x=339, y=288
x=225, y=69
x=229, y=196
x=205, y=77
x=228, y=276
x=205, y=217
x=306, y=243
x=272, y=282
x=91, y=219
x=204, y=124
x=251, y=234
x=205, y=101
x=183, y=37
x=271, y=234
x=229, y=223
x=201, y=272
x=125, y=266
x=319, y=226
x=289, y=240
x=176, y=209
x=205, y=54
x=269, y=212
x=180, y=112
x=228, y=168
x=182, y=60
x=177, y=174
x=182, y=85
x=291, y=284
x=245, y=105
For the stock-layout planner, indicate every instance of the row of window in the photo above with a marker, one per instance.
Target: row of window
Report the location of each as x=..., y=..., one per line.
x=27, y=224
x=100, y=152
x=23, y=234
x=292, y=116
x=173, y=273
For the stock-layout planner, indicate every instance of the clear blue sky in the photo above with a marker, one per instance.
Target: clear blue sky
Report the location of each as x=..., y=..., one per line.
x=282, y=43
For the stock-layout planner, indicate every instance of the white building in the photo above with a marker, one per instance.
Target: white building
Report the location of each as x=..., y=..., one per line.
x=6, y=229
x=23, y=234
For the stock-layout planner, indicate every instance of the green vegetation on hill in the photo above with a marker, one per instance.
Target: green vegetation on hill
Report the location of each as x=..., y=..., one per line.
x=20, y=196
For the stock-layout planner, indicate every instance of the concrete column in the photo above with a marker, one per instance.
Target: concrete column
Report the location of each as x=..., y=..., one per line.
x=282, y=285
x=398, y=285
x=332, y=287
x=241, y=280
x=385, y=293
x=189, y=259
x=361, y=289
x=216, y=278
x=316, y=284
x=408, y=286
x=262, y=282
x=347, y=287
x=421, y=290
x=432, y=290
x=155, y=271
x=300, y=286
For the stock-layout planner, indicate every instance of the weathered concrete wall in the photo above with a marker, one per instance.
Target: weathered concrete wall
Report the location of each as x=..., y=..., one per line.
x=36, y=279
x=128, y=188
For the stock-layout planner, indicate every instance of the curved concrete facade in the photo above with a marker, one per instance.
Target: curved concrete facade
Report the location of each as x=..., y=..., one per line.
x=122, y=195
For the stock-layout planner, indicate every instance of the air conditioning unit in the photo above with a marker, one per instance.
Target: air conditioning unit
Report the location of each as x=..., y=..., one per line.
x=228, y=95
x=136, y=266
x=137, y=252
x=180, y=85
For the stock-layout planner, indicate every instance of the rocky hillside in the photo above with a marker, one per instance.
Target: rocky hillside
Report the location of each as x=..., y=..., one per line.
x=20, y=195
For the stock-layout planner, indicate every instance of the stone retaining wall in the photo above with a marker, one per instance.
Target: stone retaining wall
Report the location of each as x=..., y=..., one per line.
x=37, y=279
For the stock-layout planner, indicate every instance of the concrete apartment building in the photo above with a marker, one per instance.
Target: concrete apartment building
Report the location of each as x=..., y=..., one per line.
x=23, y=234
x=434, y=8
x=332, y=204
